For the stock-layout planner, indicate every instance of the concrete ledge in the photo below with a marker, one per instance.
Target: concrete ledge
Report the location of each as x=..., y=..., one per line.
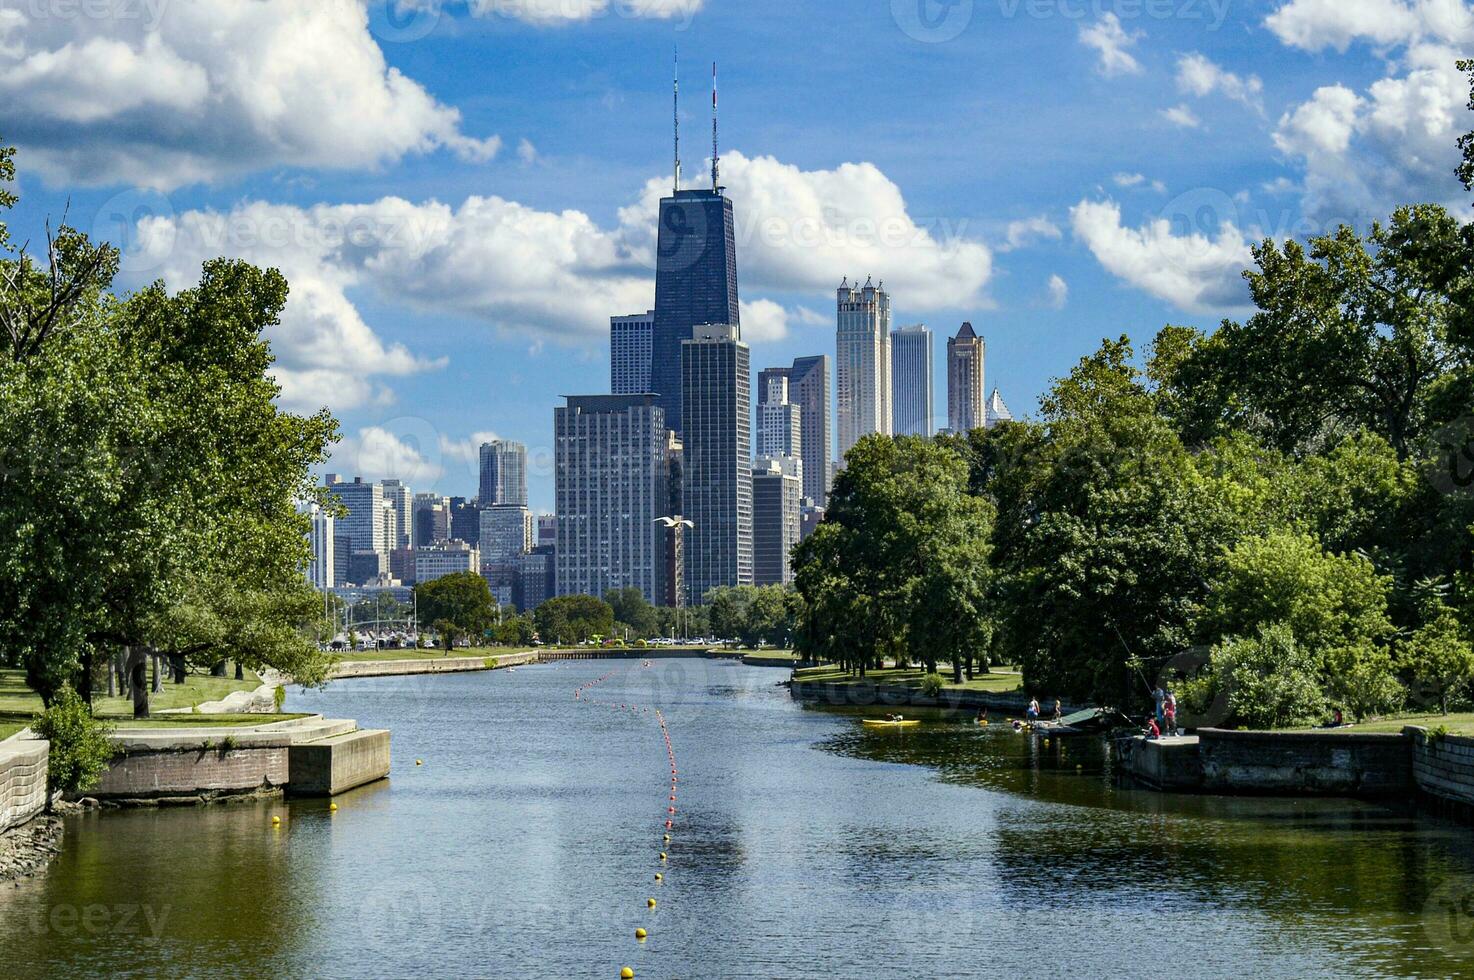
x=335, y=765
x=1171, y=763
x=863, y=693
x=23, y=764
x=442, y=665
x=220, y=768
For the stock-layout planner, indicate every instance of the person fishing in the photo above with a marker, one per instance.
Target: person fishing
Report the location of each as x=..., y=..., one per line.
x=1159, y=697
x=982, y=716
x=1153, y=730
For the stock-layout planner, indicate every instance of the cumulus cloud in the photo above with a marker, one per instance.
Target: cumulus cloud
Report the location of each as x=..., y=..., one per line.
x=1198, y=271
x=1198, y=76
x=1365, y=152
x=1111, y=42
x=1059, y=292
x=551, y=276
x=1025, y=232
x=804, y=230
x=380, y=453
x=558, y=12
x=1181, y=116
x=186, y=92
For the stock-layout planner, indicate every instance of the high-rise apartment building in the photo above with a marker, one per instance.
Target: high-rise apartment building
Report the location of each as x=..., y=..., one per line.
x=320, y=567
x=610, y=488
x=547, y=530
x=465, y=520
x=363, y=524
x=399, y=496
x=717, y=459
x=630, y=338
x=695, y=284
x=777, y=495
x=446, y=558
x=911, y=381
x=810, y=387
x=503, y=473
x=863, y=362
x=507, y=530
x=966, y=356
x=780, y=421
x=430, y=519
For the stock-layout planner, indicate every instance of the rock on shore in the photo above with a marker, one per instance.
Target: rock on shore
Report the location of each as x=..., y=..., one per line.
x=27, y=849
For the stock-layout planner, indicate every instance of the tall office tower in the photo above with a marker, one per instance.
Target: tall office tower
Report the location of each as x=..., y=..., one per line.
x=503, y=473
x=966, y=354
x=717, y=459
x=536, y=578
x=431, y=519
x=363, y=525
x=320, y=537
x=629, y=353
x=547, y=530
x=609, y=479
x=810, y=388
x=863, y=377
x=911, y=381
x=402, y=565
x=390, y=539
x=695, y=272
x=398, y=495
x=996, y=411
x=777, y=493
x=446, y=558
x=674, y=524
x=507, y=530
x=465, y=520
x=780, y=422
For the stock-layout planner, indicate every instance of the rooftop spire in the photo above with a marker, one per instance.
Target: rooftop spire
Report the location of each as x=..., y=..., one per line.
x=715, y=157
x=676, y=111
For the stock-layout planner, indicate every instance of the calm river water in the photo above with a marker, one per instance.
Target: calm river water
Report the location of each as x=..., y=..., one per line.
x=527, y=843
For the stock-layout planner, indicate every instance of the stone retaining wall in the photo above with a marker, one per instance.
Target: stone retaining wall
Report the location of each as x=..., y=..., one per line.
x=22, y=780
x=863, y=694
x=440, y=665
x=195, y=771
x=1170, y=763
x=1443, y=766
x=1326, y=763
x=335, y=765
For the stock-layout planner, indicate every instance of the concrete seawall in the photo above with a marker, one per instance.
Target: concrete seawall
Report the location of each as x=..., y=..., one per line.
x=441, y=665
x=863, y=694
x=22, y=780
x=1443, y=767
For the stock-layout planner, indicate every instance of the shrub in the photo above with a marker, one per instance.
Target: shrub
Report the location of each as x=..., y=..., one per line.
x=80, y=750
x=279, y=697
x=932, y=684
x=1272, y=681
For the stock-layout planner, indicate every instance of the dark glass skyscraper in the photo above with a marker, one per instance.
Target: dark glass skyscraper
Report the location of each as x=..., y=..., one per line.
x=695, y=283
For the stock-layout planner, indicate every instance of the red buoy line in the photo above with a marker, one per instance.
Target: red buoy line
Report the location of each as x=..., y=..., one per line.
x=626, y=973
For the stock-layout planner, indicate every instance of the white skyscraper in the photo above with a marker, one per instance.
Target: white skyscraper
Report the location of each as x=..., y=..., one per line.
x=863, y=363
x=997, y=411
x=320, y=566
x=507, y=531
x=780, y=422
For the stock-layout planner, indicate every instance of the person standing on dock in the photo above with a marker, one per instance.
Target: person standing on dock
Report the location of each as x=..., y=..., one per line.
x=1160, y=697
x=1033, y=710
x=1170, y=707
x=1058, y=713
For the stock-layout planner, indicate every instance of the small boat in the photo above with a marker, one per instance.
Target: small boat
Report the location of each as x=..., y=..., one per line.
x=888, y=723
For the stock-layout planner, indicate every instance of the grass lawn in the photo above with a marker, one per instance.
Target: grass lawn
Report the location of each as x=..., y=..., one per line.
x=774, y=655
x=996, y=682
x=1457, y=723
x=9, y=728
x=480, y=652
x=19, y=704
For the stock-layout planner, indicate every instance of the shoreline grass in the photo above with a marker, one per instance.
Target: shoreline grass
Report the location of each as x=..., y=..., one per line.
x=18, y=703
x=997, y=682
x=1456, y=723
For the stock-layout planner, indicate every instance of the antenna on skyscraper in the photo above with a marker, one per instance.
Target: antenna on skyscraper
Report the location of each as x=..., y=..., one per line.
x=676, y=106
x=715, y=157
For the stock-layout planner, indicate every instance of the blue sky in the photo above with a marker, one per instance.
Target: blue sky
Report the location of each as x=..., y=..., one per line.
x=461, y=195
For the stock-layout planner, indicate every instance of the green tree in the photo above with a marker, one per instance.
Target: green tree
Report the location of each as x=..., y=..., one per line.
x=1272, y=681
x=460, y=607
x=573, y=619
x=633, y=610
x=1466, y=142
x=727, y=610
x=1440, y=656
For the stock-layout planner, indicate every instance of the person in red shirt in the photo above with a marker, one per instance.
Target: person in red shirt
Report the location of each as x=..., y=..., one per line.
x=1152, y=731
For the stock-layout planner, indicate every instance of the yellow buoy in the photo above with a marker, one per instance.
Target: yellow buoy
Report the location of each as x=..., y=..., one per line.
x=667, y=838
x=657, y=876
x=626, y=974
x=333, y=807
x=640, y=934
x=275, y=821
x=662, y=855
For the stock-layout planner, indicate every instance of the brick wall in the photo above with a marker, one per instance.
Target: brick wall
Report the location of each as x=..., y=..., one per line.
x=22, y=780
x=1443, y=767
x=1306, y=762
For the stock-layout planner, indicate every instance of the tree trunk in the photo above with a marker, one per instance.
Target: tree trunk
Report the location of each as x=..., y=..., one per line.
x=240, y=672
x=217, y=669
x=176, y=662
x=158, y=680
x=112, y=676
x=138, y=680
x=956, y=670
x=85, y=687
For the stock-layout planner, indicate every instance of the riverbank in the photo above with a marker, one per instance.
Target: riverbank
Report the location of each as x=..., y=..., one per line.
x=995, y=692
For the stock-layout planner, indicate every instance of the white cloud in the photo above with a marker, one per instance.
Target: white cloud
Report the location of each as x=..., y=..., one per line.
x=549, y=276
x=1365, y=152
x=1198, y=76
x=1027, y=231
x=466, y=450
x=804, y=230
x=1199, y=271
x=1111, y=41
x=526, y=152
x=558, y=12
x=1181, y=116
x=198, y=91
x=378, y=453
x=1129, y=180
x=763, y=320
x=1059, y=292
x=810, y=317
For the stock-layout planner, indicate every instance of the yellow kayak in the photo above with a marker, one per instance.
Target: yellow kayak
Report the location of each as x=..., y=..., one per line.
x=887, y=723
